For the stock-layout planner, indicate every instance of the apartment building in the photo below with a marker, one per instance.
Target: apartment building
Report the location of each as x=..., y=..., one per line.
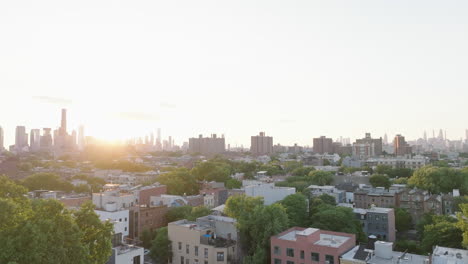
x=267, y=191
x=209, y=239
x=376, y=221
x=299, y=245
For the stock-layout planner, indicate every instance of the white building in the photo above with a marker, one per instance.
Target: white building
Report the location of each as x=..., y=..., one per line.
x=444, y=255
x=339, y=195
x=120, y=219
x=127, y=254
x=113, y=194
x=268, y=191
x=400, y=162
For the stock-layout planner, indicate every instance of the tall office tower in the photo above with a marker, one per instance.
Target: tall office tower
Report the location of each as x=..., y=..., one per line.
x=466, y=135
x=152, y=139
x=425, y=136
x=63, y=124
x=81, y=138
x=401, y=147
x=375, y=142
x=46, y=139
x=323, y=145
x=169, y=143
x=35, y=139
x=158, y=140
x=21, y=138
x=208, y=145
x=261, y=144
x=385, y=139
x=2, y=138
x=72, y=139
x=441, y=135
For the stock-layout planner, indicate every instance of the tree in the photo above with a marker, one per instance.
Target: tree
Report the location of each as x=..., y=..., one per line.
x=233, y=184
x=161, y=246
x=197, y=212
x=321, y=177
x=458, y=201
x=11, y=190
x=379, y=180
x=46, y=181
x=327, y=199
x=444, y=233
x=463, y=222
x=339, y=219
x=238, y=205
x=290, y=166
x=408, y=246
x=96, y=234
x=440, y=180
x=147, y=237
x=400, y=181
x=296, y=209
x=402, y=220
x=212, y=171
x=178, y=213
x=302, y=171
x=257, y=228
x=179, y=182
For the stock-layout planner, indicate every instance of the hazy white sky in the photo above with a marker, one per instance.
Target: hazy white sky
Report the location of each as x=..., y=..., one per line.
x=295, y=69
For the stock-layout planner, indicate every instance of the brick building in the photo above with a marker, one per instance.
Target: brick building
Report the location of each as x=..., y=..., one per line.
x=310, y=245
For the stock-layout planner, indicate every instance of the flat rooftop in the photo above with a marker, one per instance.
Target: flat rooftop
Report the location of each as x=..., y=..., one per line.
x=326, y=240
x=444, y=255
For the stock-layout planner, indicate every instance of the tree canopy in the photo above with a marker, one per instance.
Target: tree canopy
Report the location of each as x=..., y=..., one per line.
x=440, y=180
x=161, y=250
x=296, y=209
x=379, y=180
x=179, y=182
x=52, y=233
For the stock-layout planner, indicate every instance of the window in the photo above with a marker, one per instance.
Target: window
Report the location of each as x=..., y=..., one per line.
x=302, y=254
x=187, y=261
x=220, y=256
x=136, y=260
x=206, y=253
x=125, y=219
x=276, y=250
x=290, y=252
x=187, y=249
x=195, y=261
x=125, y=228
x=196, y=251
x=180, y=245
x=206, y=261
x=314, y=256
x=120, y=219
x=182, y=260
x=289, y=262
x=277, y=261
x=329, y=259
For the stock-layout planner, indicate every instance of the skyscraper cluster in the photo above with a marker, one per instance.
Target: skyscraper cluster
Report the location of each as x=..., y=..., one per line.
x=60, y=141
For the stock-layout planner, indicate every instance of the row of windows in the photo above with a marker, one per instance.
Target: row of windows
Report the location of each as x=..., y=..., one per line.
x=219, y=255
x=187, y=261
x=314, y=256
x=328, y=259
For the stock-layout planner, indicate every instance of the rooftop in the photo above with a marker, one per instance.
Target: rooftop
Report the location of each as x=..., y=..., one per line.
x=327, y=240
x=444, y=255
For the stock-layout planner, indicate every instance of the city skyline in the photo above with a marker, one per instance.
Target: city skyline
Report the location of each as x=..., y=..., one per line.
x=296, y=71
x=149, y=136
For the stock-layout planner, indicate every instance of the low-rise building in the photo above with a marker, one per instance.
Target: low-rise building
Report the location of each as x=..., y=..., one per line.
x=126, y=254
x=377, y=221
x=379, y=197
x=268, y=191
x=310, y=245
x=210, y=239
x=444, y=255
x=146, y=218
x=381, y=253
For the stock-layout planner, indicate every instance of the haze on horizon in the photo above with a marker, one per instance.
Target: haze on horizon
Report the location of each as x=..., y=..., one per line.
x=295, y=69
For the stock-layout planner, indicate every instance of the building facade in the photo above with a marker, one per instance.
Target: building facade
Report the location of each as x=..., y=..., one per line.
x=299, y=245
x=323, y=145
x=207, y=145
x=377, y=221
x=261, y=144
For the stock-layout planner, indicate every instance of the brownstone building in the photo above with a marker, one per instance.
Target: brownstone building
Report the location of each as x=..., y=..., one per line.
x=146, y=218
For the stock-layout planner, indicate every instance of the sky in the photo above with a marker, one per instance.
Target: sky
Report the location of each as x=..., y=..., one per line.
x=294, y=69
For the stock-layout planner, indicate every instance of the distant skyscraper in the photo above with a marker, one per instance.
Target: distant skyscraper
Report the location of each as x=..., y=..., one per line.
x=466, y=135
x=374, y=143
x=21, y=138
x=2, y=138
x=64, y=120
x=441, y=135
x=401, y=147
x=425, y=136
x=35, y=139
x=323, y=145
x=81, y=138
x=385, y=139
x=46, y=139
x=261, y=144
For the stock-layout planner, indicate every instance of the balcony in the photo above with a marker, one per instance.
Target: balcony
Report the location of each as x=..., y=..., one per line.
x=218, y=242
